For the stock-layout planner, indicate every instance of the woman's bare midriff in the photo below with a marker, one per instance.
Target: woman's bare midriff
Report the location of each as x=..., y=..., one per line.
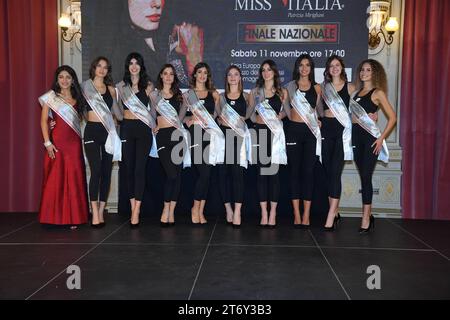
x=295, y=117
x=163, y=123
x=92, y=117
x=127, y=114
x=329, y=114
x=259, y=119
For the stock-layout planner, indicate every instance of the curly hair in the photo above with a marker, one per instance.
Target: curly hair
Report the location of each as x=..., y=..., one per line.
x=379, y=78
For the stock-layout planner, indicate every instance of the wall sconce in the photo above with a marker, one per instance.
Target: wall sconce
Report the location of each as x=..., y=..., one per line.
x=70, y=23
x=379, y=17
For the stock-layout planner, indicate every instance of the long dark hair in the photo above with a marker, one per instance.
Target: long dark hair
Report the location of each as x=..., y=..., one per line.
x=175, y=88
x=75, y=89
x=227, y=85
x=296, y=72
x=209, y=83
x=143, y=77
x=108, y=78
x=276, y=76
x=326, y=73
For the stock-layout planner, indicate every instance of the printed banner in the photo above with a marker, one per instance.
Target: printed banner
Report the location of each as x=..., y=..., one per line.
x=224, y=32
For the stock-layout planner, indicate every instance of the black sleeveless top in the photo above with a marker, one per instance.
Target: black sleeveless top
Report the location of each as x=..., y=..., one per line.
x=344, y=96
x=310, y=95
x=366, y=101
x=239, y=105
x=107, y=98
x=142, y=95
x=209, y=104
x=275, y=103
x=174, y=102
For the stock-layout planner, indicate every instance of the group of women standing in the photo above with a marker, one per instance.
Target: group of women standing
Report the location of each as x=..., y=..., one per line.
x=329, y=122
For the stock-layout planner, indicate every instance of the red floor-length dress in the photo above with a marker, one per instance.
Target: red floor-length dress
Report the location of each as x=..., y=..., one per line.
x=64, y=197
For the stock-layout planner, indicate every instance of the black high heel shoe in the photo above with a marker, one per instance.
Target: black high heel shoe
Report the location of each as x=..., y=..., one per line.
x=371, y=225
x=134, y=225
x=165, y=224
x=336, y=220
x=171, y=223
x=98, y=225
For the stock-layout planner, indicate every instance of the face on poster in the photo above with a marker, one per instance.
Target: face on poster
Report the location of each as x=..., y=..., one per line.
x=224, y=32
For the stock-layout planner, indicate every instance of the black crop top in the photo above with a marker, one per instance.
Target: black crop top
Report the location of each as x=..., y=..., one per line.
x=275, y=103
x=107, y=98
x=142, y=95
x=209, y=104
x=239, y=105
x=343, y=94
x=174, y=102
x=311, y=96
x=366, y=101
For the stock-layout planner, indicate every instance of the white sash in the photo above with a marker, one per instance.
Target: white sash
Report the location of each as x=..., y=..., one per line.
x=139, y=110
x=135, y=105
x=363, y=119
x=63, y=109
x=234, y=121
x=170, y=114
x=275, y=125
x=307, y=113
x=113, y=144
x=337, y=106
x=217, y=143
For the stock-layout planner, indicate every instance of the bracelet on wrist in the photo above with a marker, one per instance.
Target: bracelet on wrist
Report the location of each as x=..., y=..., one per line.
x=47, y=144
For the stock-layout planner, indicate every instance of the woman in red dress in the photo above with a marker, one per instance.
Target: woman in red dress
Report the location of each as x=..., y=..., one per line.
x=64, y=197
